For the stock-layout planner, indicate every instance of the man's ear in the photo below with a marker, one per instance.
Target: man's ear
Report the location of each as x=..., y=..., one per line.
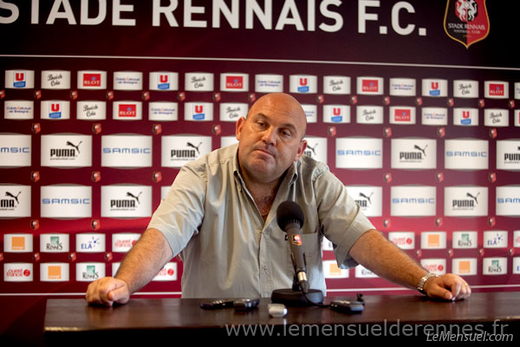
x=238, y=128
x=301, y=149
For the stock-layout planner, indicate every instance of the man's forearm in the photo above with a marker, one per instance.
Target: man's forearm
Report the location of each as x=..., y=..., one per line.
x=386, y=260
x=142, y=263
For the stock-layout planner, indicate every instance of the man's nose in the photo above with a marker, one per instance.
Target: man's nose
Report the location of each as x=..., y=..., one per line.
x=269, y=136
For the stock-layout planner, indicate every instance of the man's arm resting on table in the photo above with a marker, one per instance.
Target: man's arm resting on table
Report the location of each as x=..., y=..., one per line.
x=139, y=266
x=386, y=260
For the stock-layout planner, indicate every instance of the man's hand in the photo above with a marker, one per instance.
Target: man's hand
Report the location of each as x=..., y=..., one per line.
x=447, y=287
x=107, y=291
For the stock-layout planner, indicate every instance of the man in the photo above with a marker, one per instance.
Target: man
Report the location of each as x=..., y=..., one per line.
x=220, y=216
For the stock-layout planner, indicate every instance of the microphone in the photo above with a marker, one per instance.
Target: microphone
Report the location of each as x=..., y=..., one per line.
x=290, y=218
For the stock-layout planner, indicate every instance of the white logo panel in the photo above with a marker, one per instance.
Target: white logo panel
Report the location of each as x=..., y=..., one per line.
x=198, y=111
x=370, y=85
x=66, y=201
x=89, y=272
x=336, y=114
x=231, y=112
x=414, y=153
x=466, y=201
x=15, y=201
x=92, y=80
x=126, y=201
x=54, y=243
x=55, y=79
x=402, y=239
x=508, y=155
x=336, y=85
x=413, y=201
x=359, y=153
x=198, y=82
x=163, y=111
x=19, y=79
x=466, y=154
x=163, y=81
x=508, y=200
x=464, y=239
x=18, y=272
x=126, y=151
x=432, y=87
x=55, y=109
x=66, y=150
x=128, y=80
x=303, y=84
x=434, y=116
x=369, y=114
x=18, y=109
x=177, y=150
x=402, y=87
x=18, y=243
x=368, y=198
x=465, y=89
x=91, y=110
x=268, y=83
x=317, y=148
x=234, y=82
x=15, y=150
x=54, y=272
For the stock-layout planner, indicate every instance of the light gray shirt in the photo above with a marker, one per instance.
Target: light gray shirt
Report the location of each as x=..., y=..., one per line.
x=211, y=220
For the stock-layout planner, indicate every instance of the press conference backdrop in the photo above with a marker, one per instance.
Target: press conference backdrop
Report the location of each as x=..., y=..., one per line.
x=412, y=104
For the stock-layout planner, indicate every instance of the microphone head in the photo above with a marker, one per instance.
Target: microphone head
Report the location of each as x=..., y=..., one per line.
x=289, y=212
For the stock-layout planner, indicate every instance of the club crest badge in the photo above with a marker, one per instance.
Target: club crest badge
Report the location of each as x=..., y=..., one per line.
x=466, y=21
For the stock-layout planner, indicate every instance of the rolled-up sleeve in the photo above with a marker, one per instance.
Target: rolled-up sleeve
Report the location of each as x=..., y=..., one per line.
x=340, y=216
x=181, y=212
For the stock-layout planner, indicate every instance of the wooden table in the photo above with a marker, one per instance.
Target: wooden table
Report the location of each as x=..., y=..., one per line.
x=384, y=317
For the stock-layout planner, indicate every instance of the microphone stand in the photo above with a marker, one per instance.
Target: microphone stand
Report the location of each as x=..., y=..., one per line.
x=297, y=296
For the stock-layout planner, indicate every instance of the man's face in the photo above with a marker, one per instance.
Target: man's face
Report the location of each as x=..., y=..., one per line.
x=271, y=137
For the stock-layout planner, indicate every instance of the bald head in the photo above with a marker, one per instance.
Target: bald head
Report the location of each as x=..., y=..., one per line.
x=270, y=138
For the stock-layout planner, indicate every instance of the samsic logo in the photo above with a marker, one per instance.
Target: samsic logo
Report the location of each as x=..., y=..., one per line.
x=66, y=201
x=413, y=201
x=359, y=153
x=15, y=150
x=466, y=201
x=466, y=154
x=126, y=151
x=508, y=200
